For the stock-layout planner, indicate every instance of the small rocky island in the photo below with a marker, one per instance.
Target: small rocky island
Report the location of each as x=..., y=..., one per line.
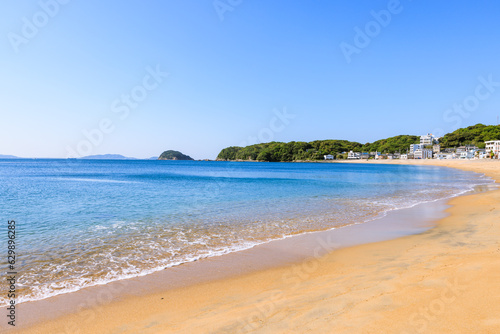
x=174, y=155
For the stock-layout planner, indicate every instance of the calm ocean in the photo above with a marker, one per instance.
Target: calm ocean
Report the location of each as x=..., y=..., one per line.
x=86, y=222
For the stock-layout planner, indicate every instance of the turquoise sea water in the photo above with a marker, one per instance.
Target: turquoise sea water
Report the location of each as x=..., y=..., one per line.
x=87, y=222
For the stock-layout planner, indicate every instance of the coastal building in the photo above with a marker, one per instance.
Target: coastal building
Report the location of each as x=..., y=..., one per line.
x=481, y=154
x=449, y=150
x=443, y=156
x=381, y=156
x=436, y=148
x=466, y=148
x=365, y=155
x=493, y=146
x=404, y=156
x=354, y=155
x=414, y=147
x=427, y=139
x=467, y=154
x=328, y=157
x=423, y=154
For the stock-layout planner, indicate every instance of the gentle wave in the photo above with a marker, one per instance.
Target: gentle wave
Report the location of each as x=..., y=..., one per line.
x=40, y=290
x=108, y=232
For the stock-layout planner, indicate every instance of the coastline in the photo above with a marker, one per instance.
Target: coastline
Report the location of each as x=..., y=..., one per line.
x=272, y=293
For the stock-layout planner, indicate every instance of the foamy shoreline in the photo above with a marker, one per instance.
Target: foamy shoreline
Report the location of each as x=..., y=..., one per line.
x=154, y=309
x=313, y=216
x=77, y=284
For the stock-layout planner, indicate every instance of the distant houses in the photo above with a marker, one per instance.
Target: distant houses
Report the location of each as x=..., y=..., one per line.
x=354, y=155
x=468, y=152
x=482, y=154
x=443, y=155
x=429, y=148
x=467, y=155
x=423, y=153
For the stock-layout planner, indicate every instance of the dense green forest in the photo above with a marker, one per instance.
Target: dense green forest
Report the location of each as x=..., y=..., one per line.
x=288, y=151
x=391, y=145
x=472, y=135
x=294, y=151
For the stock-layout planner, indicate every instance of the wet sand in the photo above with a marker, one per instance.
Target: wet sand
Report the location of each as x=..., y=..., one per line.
x=438, y=280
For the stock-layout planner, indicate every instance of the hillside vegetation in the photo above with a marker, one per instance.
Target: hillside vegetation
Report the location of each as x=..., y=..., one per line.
x=292, y=151
x=174, y=155
x=391, y=145
x=315, y=150
x=472, y=135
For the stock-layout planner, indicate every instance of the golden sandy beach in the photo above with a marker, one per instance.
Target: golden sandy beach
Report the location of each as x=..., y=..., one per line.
x=445, y=280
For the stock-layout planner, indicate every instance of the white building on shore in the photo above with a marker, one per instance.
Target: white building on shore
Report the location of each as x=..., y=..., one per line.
x=443, y=156
x=481, y=154
x=493, y=146
x=467, y=154
x=354, y=155
x=423, y=154
x=414, y=147
x=427, y=139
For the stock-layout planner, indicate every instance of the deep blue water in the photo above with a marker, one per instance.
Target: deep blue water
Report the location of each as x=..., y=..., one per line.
x=84, y=222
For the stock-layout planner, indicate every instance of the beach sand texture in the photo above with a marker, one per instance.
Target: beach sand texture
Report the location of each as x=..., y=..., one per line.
x=445, y=280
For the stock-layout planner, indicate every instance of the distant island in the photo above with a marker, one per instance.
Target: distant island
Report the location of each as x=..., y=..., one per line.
x=174, y=155
x=8, y=157
x=107, y=157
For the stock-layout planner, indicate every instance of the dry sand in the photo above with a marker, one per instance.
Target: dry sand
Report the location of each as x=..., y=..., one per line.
x=445, y=280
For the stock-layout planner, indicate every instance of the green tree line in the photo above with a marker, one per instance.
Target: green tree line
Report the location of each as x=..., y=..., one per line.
x=472, y=135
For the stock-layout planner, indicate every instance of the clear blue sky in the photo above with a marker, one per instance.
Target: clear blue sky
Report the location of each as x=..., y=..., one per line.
x=226, y=78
